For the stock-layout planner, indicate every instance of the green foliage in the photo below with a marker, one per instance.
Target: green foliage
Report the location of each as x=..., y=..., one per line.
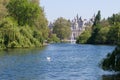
x=7, y=29
x=13, y=35
x=95, y=29
x=94, y=35
x=104, y=31
x=115, y=18
x=38, y=35
x=24, y=26
x=62, y=28
x=114, y=34
x=97, y=19
x=53, y=38
x=13, y=44
x=24, y=11
x=101, y=37
x=84, y=37
x=112, y=61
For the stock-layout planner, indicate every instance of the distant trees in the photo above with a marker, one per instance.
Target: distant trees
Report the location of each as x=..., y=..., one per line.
x=106, y=31
x=62, y=28
x=115, y=18
x=53, y=38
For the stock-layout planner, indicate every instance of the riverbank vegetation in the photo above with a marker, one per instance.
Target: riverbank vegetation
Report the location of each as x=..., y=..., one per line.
x=112, y=61
x=104, y=31
x=22, y=24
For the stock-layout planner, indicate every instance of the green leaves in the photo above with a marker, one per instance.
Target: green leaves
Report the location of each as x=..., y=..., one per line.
x=114, y=34
x=112, y=60
x=25, y=26
x=62, y=28
x=24, y=11
x=101, y=38
x=95, y=29
x=84, y=37
x=97, y=19
x=114, y=19
x=105, y=31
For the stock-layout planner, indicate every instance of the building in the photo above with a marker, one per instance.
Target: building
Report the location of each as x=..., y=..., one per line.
x=78, y=25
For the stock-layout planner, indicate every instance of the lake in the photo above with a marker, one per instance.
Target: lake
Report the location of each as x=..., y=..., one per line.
x=66, y=62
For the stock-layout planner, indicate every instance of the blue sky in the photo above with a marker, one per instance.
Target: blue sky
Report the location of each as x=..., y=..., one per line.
x=84, y=8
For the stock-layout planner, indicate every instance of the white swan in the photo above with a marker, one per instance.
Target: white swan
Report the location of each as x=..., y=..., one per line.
x=48, y=58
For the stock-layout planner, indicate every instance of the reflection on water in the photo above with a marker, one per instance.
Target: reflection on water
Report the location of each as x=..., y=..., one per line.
x=111, y=77
x=21, y=51
x=67, y=62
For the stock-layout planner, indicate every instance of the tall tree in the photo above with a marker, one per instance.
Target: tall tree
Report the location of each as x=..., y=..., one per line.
x=97, y=19
x=95, y=28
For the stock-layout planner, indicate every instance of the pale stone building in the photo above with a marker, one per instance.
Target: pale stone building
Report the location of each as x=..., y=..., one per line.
x=78, y=25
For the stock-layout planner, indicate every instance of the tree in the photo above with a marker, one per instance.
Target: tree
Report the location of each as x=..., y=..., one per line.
x=97, y=19
x=41, y=24
x=95, y=28
x=23, y=24
x=62, y=28
x=24, y=11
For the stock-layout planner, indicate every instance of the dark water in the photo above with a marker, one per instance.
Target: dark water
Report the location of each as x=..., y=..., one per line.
x=68, y=62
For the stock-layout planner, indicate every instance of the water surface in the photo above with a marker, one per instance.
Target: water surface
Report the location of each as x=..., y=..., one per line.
x=67, y=62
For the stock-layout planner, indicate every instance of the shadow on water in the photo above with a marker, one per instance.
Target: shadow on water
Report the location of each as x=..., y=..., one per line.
x=111, y=77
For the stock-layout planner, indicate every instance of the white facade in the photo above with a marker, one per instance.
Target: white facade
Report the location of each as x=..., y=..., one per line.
x=78, y=26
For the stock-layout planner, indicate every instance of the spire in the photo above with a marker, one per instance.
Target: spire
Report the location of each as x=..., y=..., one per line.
x=77, y=17
x=94, y=15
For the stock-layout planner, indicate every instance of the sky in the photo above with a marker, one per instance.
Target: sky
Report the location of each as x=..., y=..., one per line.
x=84, y=8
